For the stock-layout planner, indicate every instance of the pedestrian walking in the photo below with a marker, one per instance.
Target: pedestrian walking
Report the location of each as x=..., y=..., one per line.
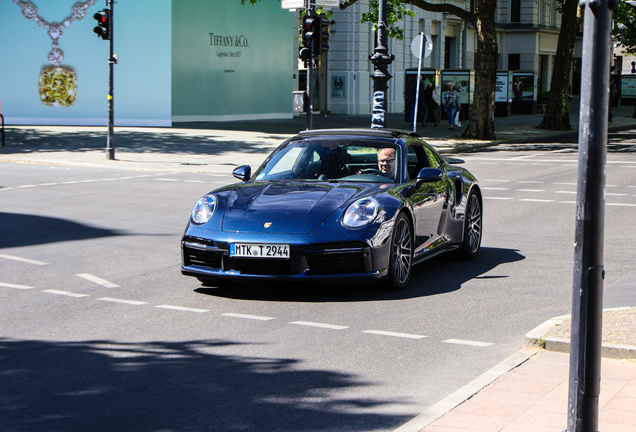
x=430, y=104
x=451, y=104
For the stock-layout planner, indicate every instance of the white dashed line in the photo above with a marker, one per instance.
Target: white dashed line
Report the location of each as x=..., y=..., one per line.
x=537, y=200
x=64, y=293
x=530, y=182
x=615, y=194
x=130, y=302
x=467, y=342
x=566, y=192
x=531, y=190
x=498, y=198
x=181, y=308
x=165, y=179
x=98, y=281
x=567, y=202
x=394, y=334
x=25, y=186
x=252, y=317
x=620, y=205
x=495, y=189
x=16, y=286
x=25, y=260
x=320, y=325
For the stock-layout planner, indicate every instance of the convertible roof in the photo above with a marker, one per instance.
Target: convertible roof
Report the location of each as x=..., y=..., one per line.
x=371, y=132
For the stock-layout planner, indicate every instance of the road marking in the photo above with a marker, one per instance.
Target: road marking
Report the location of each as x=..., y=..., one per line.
x=467, y=342
x=165, y=179
x=567, y=202
x=16, y=286
x=537, y=200
x=25, y=186
x=394, y=334
x=495, y=180
x=320, y=325
x=566, y=192
x=531, y=190
x=6, y=188
x=621, y=205
x=64, y=293
x=69, y=182
x=495, y=188
x=614, y=194
x=530, y=181
x=98, y=281
x=498, y=198
x=194, y=181
x=181, y=308
x=566, y=184
x=130, y=302
x=252, y=317
x=25, y=260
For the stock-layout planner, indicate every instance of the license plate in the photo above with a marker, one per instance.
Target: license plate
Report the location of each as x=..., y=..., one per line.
x=258, y=250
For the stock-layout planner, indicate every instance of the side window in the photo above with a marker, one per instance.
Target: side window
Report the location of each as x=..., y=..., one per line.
x=416, y=160
x=434, y=159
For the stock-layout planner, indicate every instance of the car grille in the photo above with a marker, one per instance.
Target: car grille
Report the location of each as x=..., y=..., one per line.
x=202, y=258
x=320, y=260
x=336, y=263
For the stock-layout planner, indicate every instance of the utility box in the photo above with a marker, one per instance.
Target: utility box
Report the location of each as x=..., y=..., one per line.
x=299, y=101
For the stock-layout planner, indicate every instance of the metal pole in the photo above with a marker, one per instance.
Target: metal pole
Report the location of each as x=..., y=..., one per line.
x=310, y=104
x=110, y=140
x=381, y=61
x=587, y=291
x=417, y=90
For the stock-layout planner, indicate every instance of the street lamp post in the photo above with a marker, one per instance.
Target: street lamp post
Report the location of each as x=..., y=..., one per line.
x=587, y=290
x=381, y=61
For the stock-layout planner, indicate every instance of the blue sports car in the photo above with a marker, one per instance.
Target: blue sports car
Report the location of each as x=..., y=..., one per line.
x=336, y=205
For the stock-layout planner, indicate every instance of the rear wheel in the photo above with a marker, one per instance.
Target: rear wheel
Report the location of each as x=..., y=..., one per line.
x=401, y=258
x=472, y=227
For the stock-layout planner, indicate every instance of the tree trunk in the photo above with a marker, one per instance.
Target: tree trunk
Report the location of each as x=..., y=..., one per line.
x=482, y=112
x=557, y=113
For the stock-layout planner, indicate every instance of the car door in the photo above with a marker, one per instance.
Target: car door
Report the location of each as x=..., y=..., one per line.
x=427, y=199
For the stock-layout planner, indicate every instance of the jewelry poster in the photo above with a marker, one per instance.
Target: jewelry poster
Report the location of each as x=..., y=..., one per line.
x=57, y=83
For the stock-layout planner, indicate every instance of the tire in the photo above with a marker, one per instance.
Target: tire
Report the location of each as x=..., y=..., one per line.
x=401, y=256
x=473, y=220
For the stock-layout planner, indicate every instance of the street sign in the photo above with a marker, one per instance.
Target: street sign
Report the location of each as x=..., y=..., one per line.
x=292, y=4
x=328, y=3
x=416, y=46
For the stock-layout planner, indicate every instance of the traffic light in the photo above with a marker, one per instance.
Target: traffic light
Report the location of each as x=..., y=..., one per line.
x=103, y=24
x=324, y=35
x=304, y=54
x=311, y=30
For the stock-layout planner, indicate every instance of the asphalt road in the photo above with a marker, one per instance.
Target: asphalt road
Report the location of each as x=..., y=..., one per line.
x=99, y=330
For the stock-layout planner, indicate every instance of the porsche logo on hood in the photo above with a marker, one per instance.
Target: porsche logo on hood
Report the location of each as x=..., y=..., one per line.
x=267, y=224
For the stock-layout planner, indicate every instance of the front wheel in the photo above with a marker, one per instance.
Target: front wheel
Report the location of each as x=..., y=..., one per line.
x=401, y=257
x=473, y=220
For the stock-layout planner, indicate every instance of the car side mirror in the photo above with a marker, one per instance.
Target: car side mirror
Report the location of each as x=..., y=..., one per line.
x=242, y=173
x=430, y=175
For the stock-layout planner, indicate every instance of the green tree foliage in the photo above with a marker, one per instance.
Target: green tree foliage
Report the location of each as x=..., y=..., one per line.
x=625, y=26
x=395, y=12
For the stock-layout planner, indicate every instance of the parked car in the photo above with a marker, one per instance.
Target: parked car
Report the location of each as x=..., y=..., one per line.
x=338, y=205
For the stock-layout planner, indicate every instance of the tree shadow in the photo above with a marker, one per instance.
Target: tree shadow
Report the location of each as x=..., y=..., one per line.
x=172, y=386
x=27, y=230
x=440, y=275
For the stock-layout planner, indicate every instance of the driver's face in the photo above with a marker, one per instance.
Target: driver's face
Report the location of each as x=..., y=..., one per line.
x=386, y=162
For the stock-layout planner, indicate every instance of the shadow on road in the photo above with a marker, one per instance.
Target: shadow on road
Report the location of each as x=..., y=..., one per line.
x=163, y=386
x=439, y=275
x=27, y=230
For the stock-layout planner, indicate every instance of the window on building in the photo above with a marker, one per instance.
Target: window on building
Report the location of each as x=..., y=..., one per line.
x=514, y=61
x=515, y=11
x=541, y=12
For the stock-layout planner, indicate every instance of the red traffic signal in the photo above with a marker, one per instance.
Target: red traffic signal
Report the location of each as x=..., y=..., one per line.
x=103, y=24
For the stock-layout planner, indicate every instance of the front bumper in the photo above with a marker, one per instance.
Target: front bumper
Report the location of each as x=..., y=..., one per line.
x=351, y=257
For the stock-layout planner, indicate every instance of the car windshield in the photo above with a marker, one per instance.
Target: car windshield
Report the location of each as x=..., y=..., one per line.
x=333, y=159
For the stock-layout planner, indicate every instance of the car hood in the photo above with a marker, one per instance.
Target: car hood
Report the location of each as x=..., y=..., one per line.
x=291, y=208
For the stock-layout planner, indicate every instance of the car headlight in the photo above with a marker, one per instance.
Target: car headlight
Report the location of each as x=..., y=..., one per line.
x=361, y=213
x=204, y=209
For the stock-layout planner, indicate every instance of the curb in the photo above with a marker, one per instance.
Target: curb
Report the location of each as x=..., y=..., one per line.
x=536, y=339
x=468, y=391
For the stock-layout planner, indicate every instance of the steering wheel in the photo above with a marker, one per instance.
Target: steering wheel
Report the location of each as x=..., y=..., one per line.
x=372, y=171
